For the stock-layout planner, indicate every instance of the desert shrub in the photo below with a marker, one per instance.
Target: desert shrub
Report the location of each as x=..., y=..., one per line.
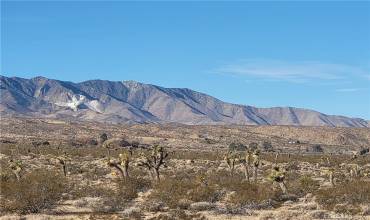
x=355, y=193
x=253, y=146
x=173, y=190
x=244, y=193
x=315, y=149
x=37, y=190
x=236, y=146
x=252, y=194
x=303, y=185
x=116, y=197
x=126, y=189
x=130, y=187
x=308, y=185
x=196, y=155
x=178, y=214
x=267, y=146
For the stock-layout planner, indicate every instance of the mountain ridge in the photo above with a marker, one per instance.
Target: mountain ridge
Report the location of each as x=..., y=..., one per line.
x=135, y=102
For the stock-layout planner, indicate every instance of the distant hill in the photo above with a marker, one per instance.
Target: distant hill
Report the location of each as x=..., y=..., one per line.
x=134, y=102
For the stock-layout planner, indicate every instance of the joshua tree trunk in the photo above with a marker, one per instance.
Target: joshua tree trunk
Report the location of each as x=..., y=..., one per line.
x=246, y=172
x=150, y=173
x=255, y=173
x=331, y=178
x=125, y=172
x=156, y=173
x=283, y=187
x=16, y=173
x=232, y=170
x=64, y=169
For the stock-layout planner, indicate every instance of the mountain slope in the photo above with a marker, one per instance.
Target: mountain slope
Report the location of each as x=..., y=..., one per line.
x=133, y=102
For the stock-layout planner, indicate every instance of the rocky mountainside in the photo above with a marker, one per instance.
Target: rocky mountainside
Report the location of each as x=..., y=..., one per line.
x=134, y=102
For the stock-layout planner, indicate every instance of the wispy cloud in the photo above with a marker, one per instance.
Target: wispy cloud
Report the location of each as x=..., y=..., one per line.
x=295, y=72
x=349, y=90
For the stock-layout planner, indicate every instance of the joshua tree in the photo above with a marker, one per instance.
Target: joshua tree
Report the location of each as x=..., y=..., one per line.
x=63, y=161
x=331, y=175
x=154, y=161
x=16, y=167
x=231, y=159
x=354, y=170
x=256, y=163
x=276, y=157
x=253, y=146
x=247, y=163
x=123, y=165
x=109, y=144
x=102, y=138
x=267, y=146
x=278, y=175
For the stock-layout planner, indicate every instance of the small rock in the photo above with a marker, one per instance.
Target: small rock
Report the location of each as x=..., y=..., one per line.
x=319, y=214
x=201, y=206
x=131, y=211
x=184, y=203
x=289, y=202
x=189, y=161
x=309, y=196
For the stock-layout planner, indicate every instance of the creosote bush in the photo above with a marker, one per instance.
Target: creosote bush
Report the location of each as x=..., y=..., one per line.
x=174, y=190
x=302, y=185
x=35, y=191
x=244, y=193
x=354, y=194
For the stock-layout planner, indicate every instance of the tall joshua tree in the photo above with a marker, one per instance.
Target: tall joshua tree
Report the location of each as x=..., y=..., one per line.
x=247, y=163
x=63, y=161
x=16, y=167
x=231, y=159
x=154, y=161
x=123, y=165
x=278, y=176
x=256, y=163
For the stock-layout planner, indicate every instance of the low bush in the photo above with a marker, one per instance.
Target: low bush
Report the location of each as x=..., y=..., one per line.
x=244, y=193
x=35, y=191
x=350, y=195
x=173, y=191
x=300, y=186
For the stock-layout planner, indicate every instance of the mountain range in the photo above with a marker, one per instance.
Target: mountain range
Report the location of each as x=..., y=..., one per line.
x=134, y=102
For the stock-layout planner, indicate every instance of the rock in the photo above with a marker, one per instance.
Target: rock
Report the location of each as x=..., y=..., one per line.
x=309, y=196
x=289, y=202
x=132, y=211
x=189, y=161
x=201, y=206
x=153, y=206
x=319, y=214
x=184, y=203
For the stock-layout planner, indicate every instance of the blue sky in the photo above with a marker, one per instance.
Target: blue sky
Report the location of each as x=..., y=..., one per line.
x=304, y=54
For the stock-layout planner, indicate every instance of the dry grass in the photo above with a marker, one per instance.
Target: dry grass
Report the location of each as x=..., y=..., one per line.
x=346, y=197
x=35, y=191
x=302, y=185
x=173, y=191
x=243, y=192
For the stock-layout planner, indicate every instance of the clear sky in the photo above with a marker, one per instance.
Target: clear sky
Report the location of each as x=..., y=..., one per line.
x=304, y=54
